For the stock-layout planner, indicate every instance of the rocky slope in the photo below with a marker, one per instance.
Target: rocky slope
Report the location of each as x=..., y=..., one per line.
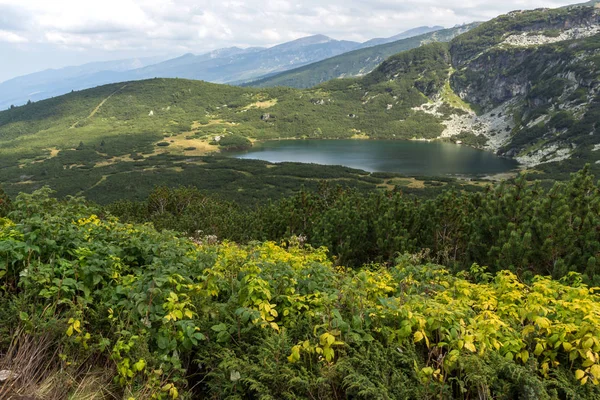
x=527, y=86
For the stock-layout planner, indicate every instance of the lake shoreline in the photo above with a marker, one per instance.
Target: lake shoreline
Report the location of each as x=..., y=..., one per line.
x=422, y=156
x=366, y=139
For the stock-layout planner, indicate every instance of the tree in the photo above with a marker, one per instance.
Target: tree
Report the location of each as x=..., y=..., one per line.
x=81, y=146
x=5, y=204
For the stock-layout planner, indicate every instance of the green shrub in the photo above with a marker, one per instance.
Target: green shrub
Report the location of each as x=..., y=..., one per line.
x=5, y=203
x=167, y=317
x=234, y=142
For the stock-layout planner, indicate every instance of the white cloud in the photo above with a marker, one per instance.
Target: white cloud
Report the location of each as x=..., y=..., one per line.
x=11, y=37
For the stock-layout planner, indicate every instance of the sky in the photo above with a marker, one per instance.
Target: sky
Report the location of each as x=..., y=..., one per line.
x=41, y=34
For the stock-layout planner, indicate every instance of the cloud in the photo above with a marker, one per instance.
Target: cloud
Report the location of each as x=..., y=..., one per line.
x=159, y=26
x=10, y=37
x=13, y=18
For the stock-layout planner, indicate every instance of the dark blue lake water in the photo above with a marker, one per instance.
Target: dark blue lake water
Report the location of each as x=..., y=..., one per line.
x=407, y=157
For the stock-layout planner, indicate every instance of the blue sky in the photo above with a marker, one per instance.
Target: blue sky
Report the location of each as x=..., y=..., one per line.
x=41, y=34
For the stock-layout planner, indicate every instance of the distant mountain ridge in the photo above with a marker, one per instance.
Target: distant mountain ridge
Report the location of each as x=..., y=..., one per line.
x=356, y=63
x=54, y=82
x=404, y=35
x=247, y=64
x=229, y=65
x=586, y=4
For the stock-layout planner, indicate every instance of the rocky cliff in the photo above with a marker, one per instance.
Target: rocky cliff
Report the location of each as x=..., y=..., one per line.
x=528, y=84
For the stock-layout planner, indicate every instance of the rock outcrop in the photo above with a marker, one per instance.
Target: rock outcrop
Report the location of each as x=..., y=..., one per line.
x=533, y=78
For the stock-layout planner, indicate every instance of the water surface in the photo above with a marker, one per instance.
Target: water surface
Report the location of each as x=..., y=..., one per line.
x=407, y=157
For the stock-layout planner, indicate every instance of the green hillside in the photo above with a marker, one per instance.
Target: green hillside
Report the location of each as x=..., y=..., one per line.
x=97, y=141
x=354, y=63
x=523, y=85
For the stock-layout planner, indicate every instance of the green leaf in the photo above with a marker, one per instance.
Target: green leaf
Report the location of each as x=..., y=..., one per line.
x=328, y=353
x=470, y=346
x=140, y=365
x=295, y=356
x=367, y=338
x=219, y=328
x=162, y=342
x=539, y=349
x=330, y=339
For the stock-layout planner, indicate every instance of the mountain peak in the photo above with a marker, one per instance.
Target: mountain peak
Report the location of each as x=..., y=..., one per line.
x=303, y=42
x=418, y=31
x=318, y=37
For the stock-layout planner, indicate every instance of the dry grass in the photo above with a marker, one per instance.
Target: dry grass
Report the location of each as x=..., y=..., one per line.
x=53, y=153
x=197, y=125
x=114, y=160
x=416, y=184
x=262, y=104
x=181, y=142
x=30, y=361
x=387, y=185
x=38, y=373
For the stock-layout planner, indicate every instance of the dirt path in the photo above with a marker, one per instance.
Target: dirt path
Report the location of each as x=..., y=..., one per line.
x=102, y=179
x=99, y=106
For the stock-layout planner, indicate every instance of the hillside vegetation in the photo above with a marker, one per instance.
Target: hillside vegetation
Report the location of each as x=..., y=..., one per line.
x=520, y=227
x=160, y=131
x=96, y=308
x=524, y=85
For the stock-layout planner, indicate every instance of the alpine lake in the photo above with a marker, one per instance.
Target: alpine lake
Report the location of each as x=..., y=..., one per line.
x=405, y=157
